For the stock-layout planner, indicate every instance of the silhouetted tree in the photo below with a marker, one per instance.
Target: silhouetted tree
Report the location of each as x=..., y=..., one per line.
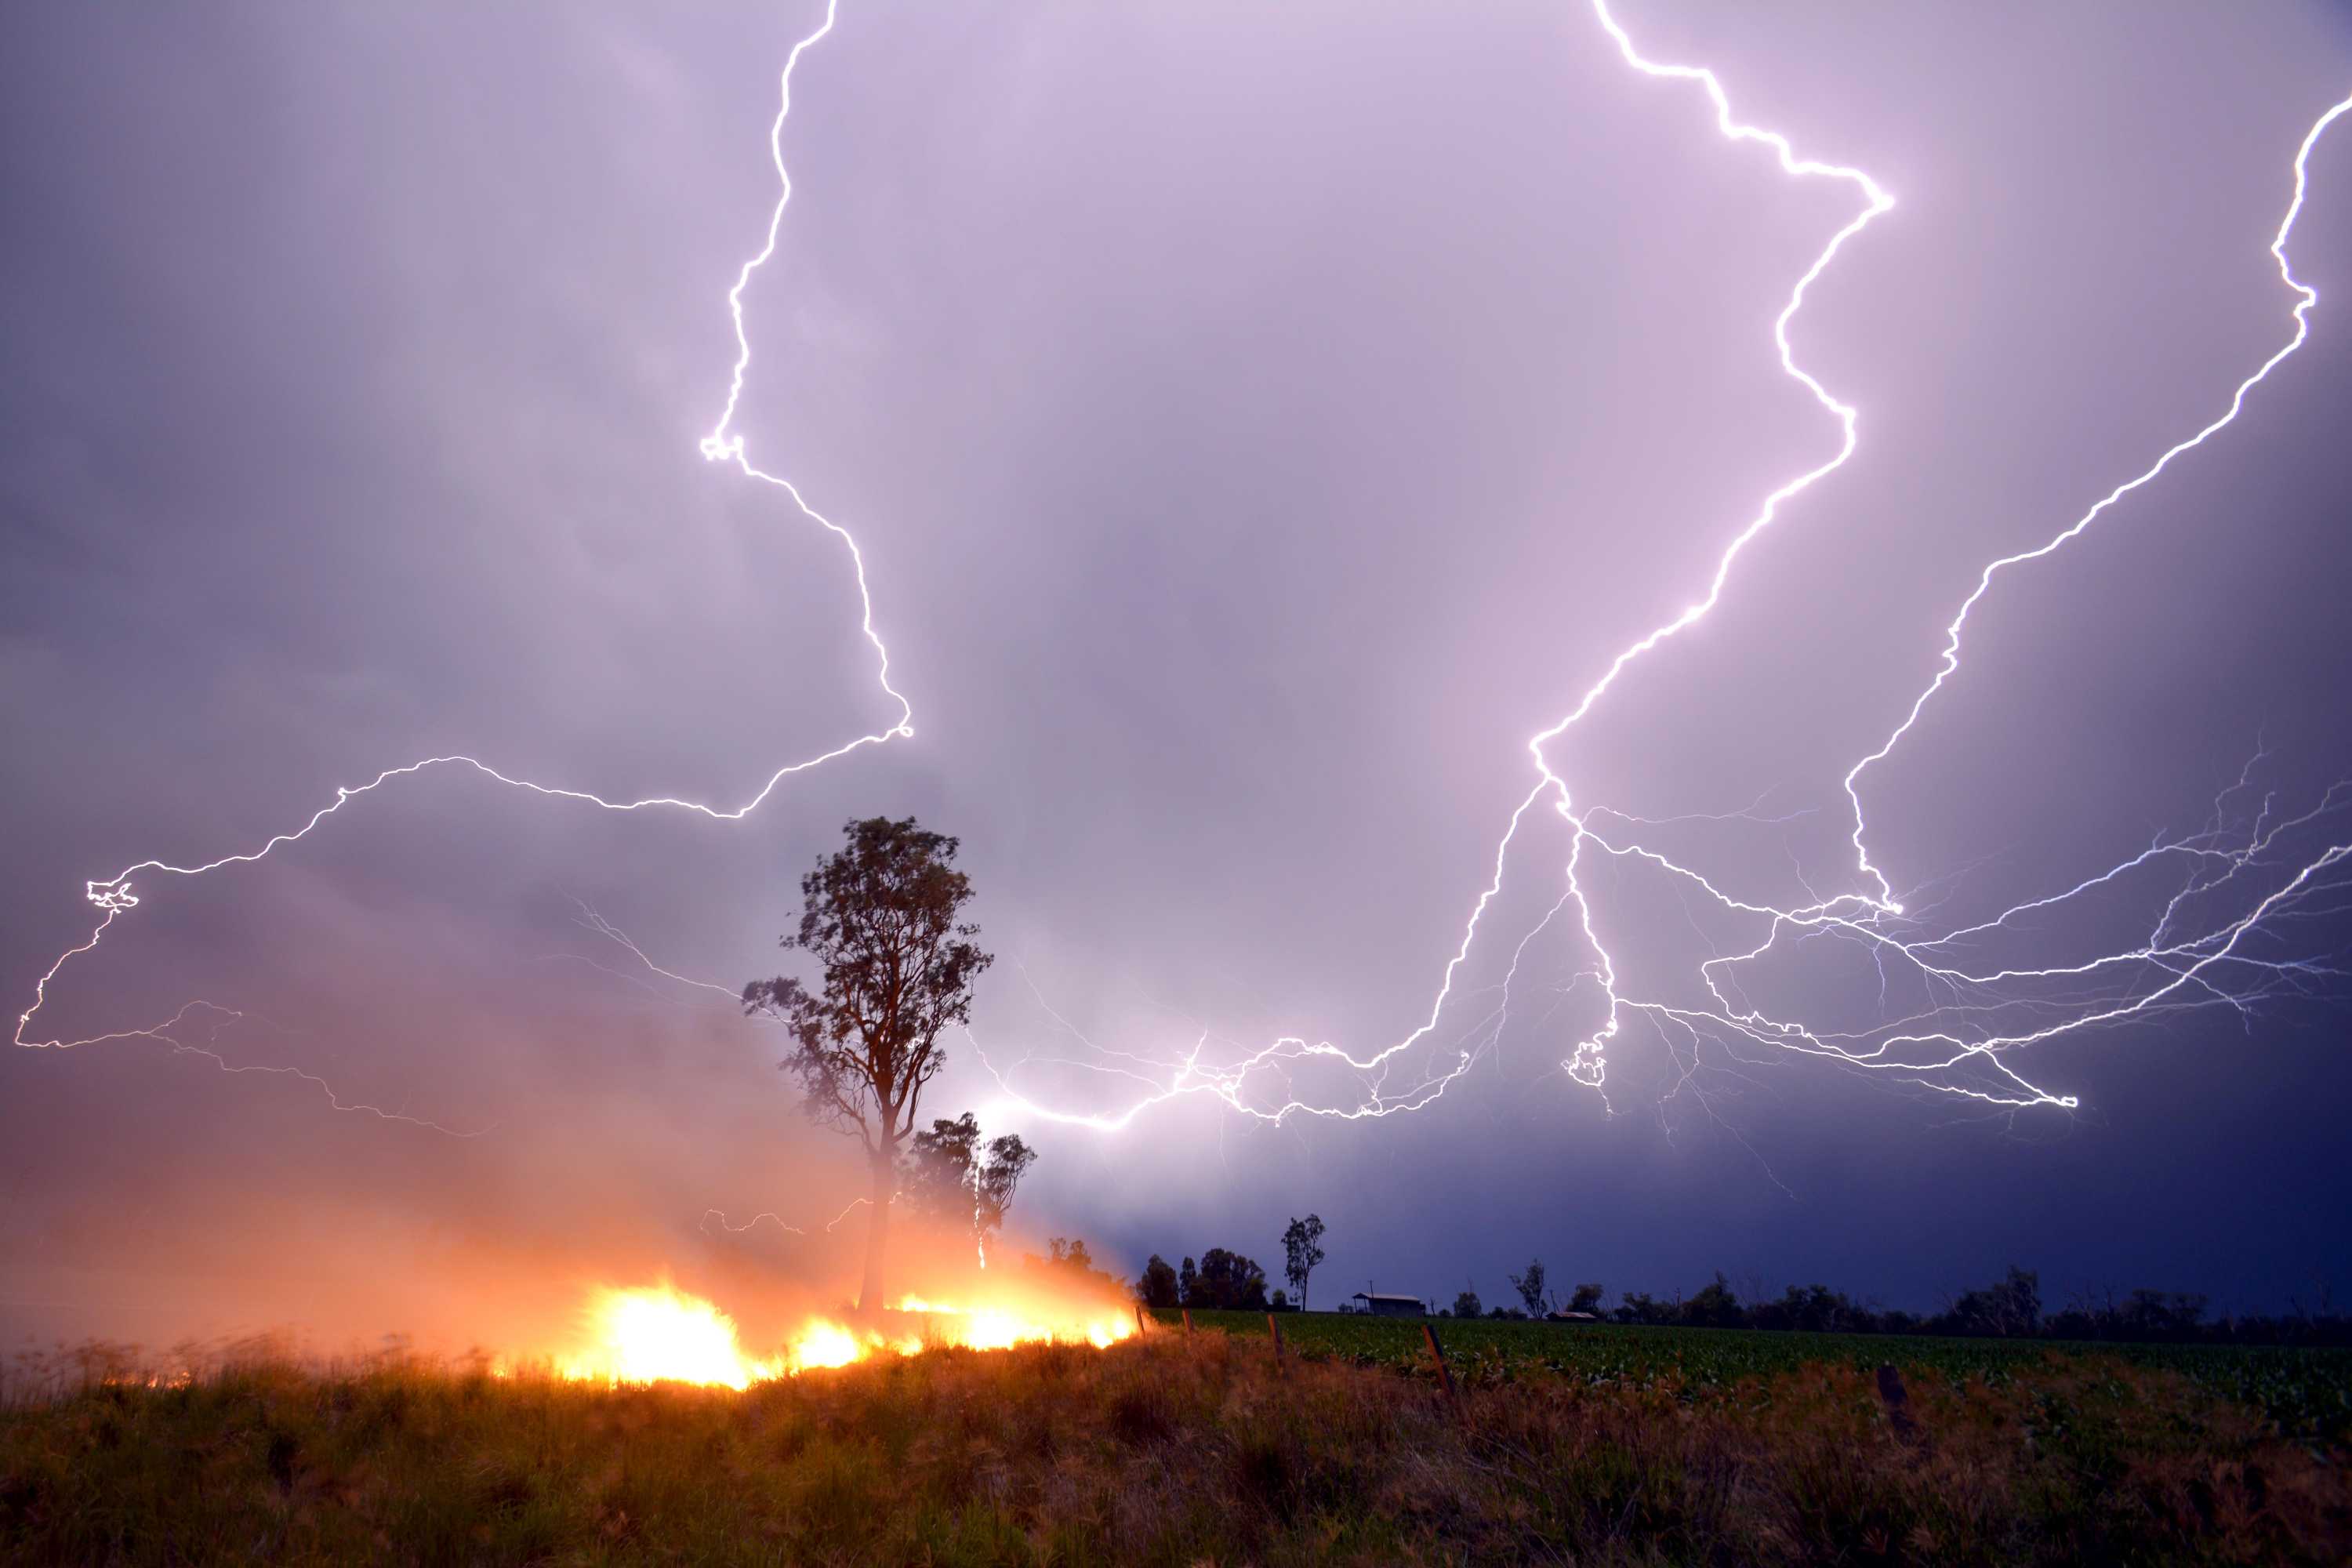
x=1157, y=1287
x=2162, y=1314
x=1641, y=1307
x=1227, y=1279
x=880, y=917
x=2012, y=1307
x=1301, y=1251
x=1467, y=1304
x=1530, y=1286
x=1585, y=1299
x=1188, y=1283
x=1811, y=1308
x=948, y=1176
x=1714, y=1306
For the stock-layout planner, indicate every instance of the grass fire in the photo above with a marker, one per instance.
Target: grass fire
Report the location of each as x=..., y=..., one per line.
x=656, y=1333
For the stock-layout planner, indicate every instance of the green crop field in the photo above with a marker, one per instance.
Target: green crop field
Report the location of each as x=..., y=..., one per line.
x=2307, y=1392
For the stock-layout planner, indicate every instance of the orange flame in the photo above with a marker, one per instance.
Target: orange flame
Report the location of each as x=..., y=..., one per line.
x=997, y=1327
x=660, y=1335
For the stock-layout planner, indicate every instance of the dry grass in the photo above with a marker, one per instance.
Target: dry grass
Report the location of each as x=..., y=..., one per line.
x=1164, y=1451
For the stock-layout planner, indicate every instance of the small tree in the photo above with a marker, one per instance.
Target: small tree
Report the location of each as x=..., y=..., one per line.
x=1188, y=1284
x=1585, y=1299
x=1158, y=1285
x=1301, y=1251
x=950, y=1178
x=881, y=918
x=1530, y=1286
x=2011, y=1307
x=1466, y=1305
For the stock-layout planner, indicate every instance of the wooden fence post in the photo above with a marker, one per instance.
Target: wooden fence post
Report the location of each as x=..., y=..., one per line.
x=1138, y=1320
x=1273, y=1326
x=1444, y=1376
x=1897, y=1400
x=1188, y=1323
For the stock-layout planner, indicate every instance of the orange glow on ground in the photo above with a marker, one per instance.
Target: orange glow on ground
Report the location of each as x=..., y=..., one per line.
x=660, y=1335
x=997, y=1327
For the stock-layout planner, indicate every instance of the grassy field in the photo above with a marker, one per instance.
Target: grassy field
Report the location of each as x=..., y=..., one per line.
x=1173, y=1450
x=2307, y=1392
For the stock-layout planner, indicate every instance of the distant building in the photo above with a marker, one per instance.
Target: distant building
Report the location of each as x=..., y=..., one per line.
x=1562, y=1315
x=1393, y=1306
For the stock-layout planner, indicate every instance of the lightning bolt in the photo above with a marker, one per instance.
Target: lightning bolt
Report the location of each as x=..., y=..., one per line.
x=778, y=1222
x=1586, y=1065
x=1962, y=1054
x=116, y=896
x=605, y=928
x=2305, y=298
x=214, y=1019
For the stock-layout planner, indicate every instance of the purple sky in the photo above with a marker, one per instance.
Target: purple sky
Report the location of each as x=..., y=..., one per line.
x=1255, y=425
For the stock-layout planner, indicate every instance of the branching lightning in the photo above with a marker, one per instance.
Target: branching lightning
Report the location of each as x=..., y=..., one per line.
x=2200, y=950
x=2305, y=298
x=2220, y=892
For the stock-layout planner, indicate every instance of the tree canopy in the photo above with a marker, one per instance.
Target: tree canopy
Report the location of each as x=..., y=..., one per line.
x=1227, y=1279
x=1157, y=1286
x=1530, y=1286
x=950, y=1176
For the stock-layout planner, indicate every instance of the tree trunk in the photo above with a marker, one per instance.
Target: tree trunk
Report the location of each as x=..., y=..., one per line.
x=877, y=1234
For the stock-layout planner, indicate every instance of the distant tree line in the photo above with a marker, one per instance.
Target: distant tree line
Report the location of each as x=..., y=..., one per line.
x=2010, y=1308
x=1225, y=1278
x=1220, y=1278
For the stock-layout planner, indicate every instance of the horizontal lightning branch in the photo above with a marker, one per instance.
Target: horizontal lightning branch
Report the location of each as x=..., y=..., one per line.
x=757, y=1219
x=115, y=896
x=177, y=1032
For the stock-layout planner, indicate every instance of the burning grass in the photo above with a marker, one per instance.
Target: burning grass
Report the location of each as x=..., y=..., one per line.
x=658, y=1333
x=1159, y=1450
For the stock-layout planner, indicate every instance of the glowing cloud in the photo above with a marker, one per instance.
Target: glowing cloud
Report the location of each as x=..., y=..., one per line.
x=2197, y=953
x=2231, y=880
